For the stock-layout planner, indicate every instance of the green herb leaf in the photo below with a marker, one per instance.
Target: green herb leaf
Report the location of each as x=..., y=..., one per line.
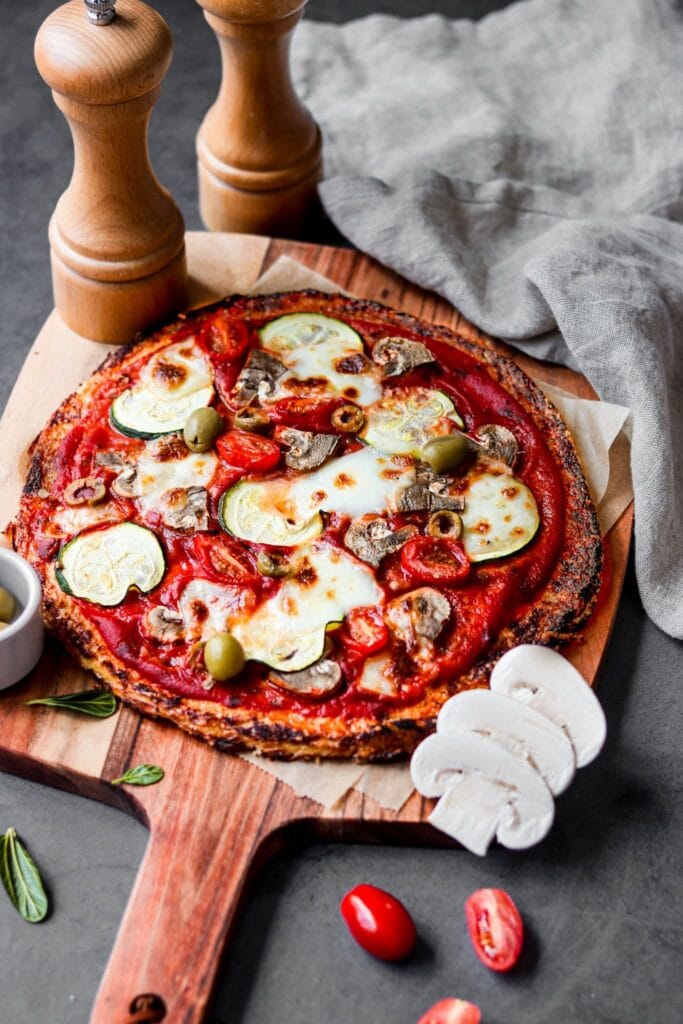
x=141, y=775
x=97, y=703
x=21, y=878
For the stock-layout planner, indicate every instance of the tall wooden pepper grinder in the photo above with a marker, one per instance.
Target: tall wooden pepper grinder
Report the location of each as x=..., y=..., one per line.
x=259, y=149
x=116, y=236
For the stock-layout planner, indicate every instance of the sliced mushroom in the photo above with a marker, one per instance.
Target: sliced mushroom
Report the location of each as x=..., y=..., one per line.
x=89, y=490
x=167, y=447
x=429, y=493
x=485, y=791
x=497, y=442
x=543, y=679
x=418, y=617
x=318, y=680
x=110, y=460
x=374, y=679
x=520, y=729
x=306, y=449
x=371, y=538
x=164, y=625
x=258, y=377
x=185, y=508
x=399, y=355
x=128, y=483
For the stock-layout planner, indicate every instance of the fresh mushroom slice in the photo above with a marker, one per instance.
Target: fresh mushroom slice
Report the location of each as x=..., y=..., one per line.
x=185, y=508
x=307, y=450
x=128, y=484
x=497, y=442
x=89, y=490
x=318, y=680
x=371, y=538
x=544, y=680
x=258, y=377
x=164, y=625
x=521, y=730
x=488, y=791
x=399, y=355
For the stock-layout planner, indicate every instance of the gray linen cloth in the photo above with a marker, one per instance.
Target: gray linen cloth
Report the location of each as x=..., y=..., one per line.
x=529, y=168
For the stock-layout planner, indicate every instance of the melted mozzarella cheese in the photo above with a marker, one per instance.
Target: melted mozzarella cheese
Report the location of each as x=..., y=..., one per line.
x=177, y=370
x=206, y=607
x=155, y=478
x=288, y=630
x=71, y=521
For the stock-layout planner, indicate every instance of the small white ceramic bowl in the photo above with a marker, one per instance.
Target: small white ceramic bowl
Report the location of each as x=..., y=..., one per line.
x=22, y=642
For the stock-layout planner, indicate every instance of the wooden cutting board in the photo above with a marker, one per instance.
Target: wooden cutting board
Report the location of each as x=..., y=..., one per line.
x=214, y=818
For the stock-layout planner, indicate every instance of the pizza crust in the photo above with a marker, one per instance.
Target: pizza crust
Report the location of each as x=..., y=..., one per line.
x=557, y=614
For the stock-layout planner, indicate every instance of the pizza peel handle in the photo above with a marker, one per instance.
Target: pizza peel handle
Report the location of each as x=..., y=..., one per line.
x=209, y=818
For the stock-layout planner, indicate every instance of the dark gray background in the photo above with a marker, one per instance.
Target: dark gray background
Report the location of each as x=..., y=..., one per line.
x=601, y=896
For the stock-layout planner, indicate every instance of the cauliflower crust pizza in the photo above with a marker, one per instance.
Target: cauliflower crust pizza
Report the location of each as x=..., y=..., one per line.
x=297, y=523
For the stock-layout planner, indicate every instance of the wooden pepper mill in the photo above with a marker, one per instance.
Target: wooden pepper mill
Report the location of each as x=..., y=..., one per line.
x=259, y=149
x=116, y=236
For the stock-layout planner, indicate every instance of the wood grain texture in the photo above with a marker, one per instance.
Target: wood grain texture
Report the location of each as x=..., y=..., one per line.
x=116, y=236
x=214, y=818
x=258, y=148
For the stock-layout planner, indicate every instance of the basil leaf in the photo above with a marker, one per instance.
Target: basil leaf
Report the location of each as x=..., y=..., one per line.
x=141, y=775
x=97, y=703
x=21, y=878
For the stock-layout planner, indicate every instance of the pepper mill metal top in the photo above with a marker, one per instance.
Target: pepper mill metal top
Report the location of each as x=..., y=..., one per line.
x=101, y=12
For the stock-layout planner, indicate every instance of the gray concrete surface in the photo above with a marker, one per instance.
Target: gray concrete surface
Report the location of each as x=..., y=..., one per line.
x=602, y=896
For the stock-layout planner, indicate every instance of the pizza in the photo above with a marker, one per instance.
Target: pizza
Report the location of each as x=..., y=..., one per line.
x=297, y=523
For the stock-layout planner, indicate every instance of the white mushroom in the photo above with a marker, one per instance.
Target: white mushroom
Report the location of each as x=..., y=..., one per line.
x=485, y=791
x=523, y=731
x=544, y=680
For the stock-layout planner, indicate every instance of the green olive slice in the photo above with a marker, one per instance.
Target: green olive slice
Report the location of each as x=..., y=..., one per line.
x=446, y=452
x=348, y=419
x=270, y=563
x=254, y=420
x=223, y=656
x=8, y=605
x=445, y=523
x=201, y=429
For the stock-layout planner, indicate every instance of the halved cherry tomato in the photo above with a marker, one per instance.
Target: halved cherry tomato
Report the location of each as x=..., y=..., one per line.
x=378, y=922
x=305, y=413
x=364, y=631
x=225, y=556
x=495, y=928
x=432, y=560
x=225, y=336
x=248, y=451
x=451, y=1011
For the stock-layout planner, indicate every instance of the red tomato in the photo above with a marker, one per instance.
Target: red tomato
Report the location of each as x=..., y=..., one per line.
x=305, y=413
x=495, y=928
x=226, y=337
x=378, y=922
x=248, y=451
x=365, y=631
x=451, y=1011
x=435, y=560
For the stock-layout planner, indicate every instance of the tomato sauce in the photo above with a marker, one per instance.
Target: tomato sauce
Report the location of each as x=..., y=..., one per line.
x=495, y=593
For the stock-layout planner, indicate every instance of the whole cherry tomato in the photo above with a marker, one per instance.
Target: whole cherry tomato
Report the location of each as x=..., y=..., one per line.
x=451, y=1011
x=378, y=922
x=248, y=451
x=365, y=632
x=495, y=928
x=435, y=560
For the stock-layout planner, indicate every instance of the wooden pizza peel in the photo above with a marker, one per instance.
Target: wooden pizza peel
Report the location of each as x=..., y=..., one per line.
x=214, y=818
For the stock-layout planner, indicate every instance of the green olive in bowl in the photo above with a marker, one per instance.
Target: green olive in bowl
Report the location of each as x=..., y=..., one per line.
x=8, y=605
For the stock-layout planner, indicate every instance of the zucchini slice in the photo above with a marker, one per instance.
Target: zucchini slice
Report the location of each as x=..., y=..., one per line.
x=404, y=420
x=175, y=382
x=294, y=331
x=245, y=512
x=500, y=517
x=322, y=355
x=103, y=565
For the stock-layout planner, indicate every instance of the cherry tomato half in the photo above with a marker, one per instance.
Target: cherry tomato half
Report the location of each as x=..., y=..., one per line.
x=435, y=560
x=248, y=451
x=378, y=922
x=365, y=632
x=451, y=1011
x=305, y=413
x=495, y=928
x=225, y=336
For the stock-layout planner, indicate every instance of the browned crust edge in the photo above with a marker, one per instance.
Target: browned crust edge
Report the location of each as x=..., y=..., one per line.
x=555, y=617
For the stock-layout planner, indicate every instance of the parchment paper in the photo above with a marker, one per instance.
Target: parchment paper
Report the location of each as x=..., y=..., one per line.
x=597, y=428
